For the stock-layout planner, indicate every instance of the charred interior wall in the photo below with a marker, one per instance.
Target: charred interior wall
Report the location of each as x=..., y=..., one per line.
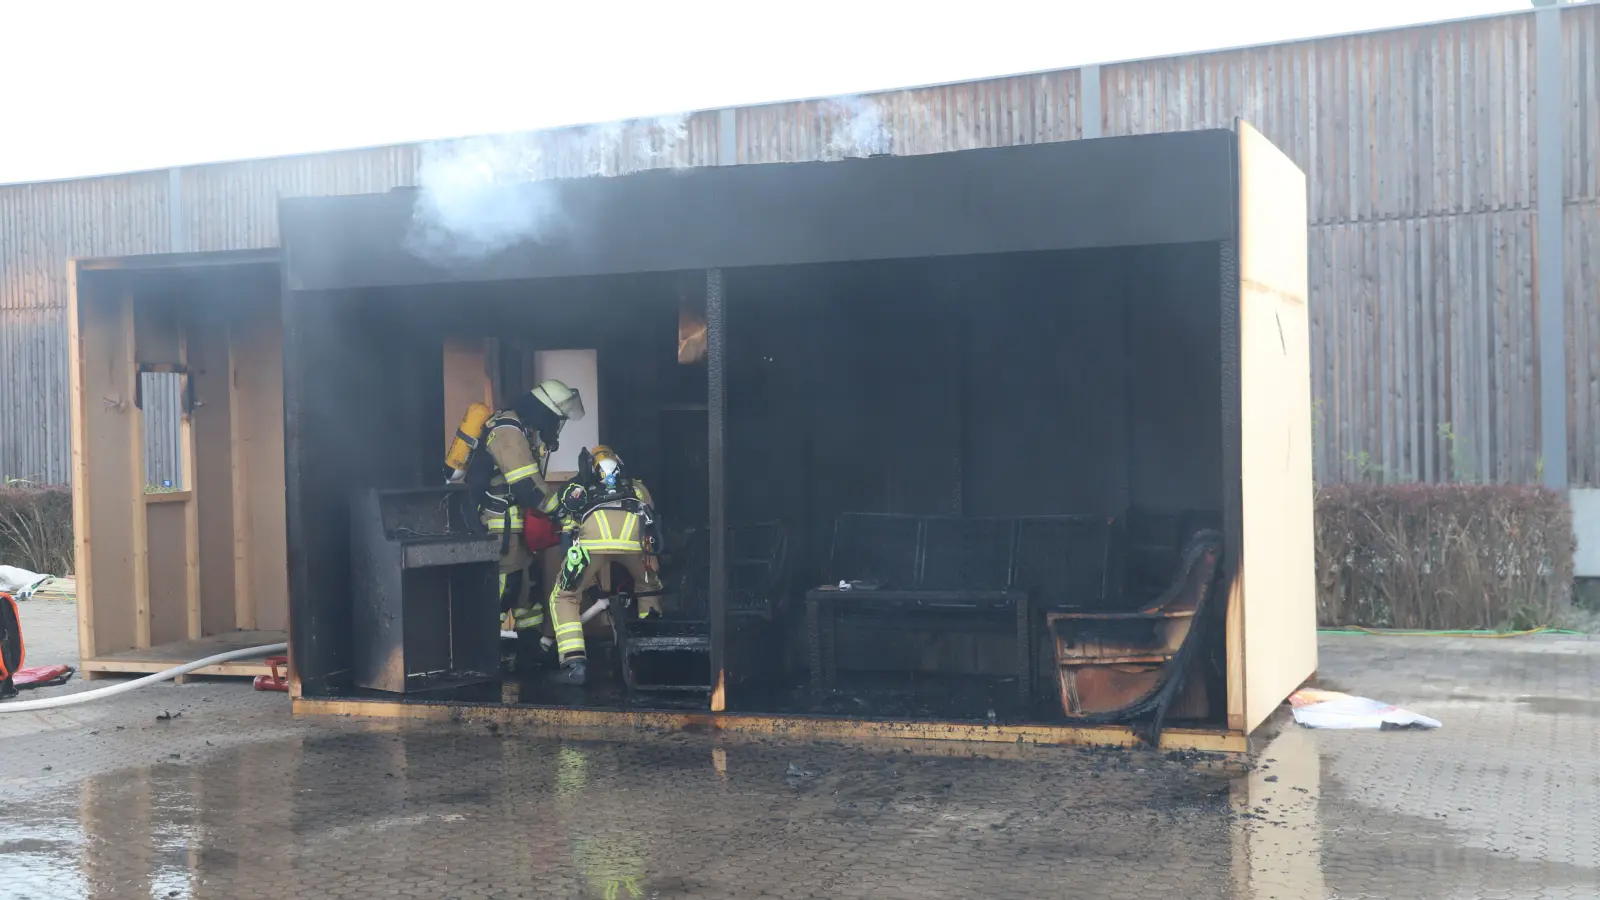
x=1018, y=384
x=1174, y=378
x=362, y=400
x=365, y=396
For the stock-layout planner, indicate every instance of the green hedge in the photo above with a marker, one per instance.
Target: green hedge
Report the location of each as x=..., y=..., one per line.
x=1443, y=556
x=36, y=528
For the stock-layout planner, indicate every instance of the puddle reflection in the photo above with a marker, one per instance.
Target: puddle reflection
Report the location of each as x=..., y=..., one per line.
x=374, y=809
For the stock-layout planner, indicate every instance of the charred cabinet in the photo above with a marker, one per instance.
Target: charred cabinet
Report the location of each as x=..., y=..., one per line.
x=426, y=598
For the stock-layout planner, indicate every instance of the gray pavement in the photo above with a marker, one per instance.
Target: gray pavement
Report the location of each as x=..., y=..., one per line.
x=232, y=797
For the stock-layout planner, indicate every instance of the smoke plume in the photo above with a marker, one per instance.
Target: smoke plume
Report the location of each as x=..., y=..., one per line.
x=479, y=196
x=858, y=129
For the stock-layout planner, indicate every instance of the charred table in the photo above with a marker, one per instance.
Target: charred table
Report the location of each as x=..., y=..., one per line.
x=963, y=610
x=957, y=574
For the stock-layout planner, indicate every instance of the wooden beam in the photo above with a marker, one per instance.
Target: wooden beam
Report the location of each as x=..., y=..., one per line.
x=189, y=483
x=81, y=494
x=716, y=416
x=140, y=524
x=248, y=668
x=626, y=723
x=244, y=605
x=161, y=497
x=1235, y=654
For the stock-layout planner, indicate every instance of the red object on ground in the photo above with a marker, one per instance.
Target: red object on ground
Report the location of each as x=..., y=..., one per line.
x=539, y=532
x=40, y=676
x=278, y=680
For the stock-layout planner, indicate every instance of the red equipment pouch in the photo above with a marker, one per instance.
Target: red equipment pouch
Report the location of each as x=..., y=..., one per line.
x=539, y=532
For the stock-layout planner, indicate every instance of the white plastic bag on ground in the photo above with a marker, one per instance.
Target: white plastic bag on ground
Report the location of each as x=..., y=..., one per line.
x=1332, y=709
x=20, y=583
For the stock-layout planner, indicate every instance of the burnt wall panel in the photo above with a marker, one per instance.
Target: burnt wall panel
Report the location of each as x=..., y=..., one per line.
x=1044, y=426
x=358, y=413
x=845, y=381
x=1147, y=189
x=977, y=386
x=1174, y=371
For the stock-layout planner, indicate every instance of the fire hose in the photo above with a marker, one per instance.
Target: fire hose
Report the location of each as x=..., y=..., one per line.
x=174, y=672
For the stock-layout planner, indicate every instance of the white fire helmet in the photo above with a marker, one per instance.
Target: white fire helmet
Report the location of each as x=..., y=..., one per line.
x=559, y=399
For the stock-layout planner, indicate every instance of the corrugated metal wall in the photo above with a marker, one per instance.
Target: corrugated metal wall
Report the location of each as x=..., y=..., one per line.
x=163, y=418
x=234, y=206
x=1582, y=257
x=1419, y=149
x=1419, y=144
x=41, y=227
x=1003, y=112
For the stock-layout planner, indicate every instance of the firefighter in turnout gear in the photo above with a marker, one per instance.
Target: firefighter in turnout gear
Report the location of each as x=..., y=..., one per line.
x=505, y=476
x=611, y=520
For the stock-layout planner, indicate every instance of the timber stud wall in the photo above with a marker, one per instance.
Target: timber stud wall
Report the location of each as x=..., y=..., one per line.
x=165, y=577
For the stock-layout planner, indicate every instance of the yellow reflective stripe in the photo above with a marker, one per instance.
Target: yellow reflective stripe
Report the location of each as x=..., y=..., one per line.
x=574, y=643
x=605, y=527
x=498, y=523
x=569, y=627
x=521, y=472
x=503, y=584
x=627, y=528
x=614, y=546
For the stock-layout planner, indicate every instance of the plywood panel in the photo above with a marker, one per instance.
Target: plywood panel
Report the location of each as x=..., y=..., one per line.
x=1278, y=640
x=466, y=381
x=168, y=557
x=211, y=475
x=105, y=462
x=257, y=348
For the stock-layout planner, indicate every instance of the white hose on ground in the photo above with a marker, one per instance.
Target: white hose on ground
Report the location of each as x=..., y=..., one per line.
x=174, y=672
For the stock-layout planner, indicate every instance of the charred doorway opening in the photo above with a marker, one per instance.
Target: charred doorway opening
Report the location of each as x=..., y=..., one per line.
x=955, y=454
x=397, y=366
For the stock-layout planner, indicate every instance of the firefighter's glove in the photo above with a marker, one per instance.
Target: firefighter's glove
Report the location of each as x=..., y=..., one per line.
x=527, y=495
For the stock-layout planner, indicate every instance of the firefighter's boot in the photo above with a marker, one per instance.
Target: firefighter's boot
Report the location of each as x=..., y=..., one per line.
x=574, y=672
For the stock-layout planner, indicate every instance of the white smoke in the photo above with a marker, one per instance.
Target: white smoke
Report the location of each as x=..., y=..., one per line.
x=859, y=128
x=479, y=196
x=476, y=197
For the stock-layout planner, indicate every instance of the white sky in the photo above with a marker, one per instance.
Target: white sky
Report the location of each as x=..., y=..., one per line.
x=92, y=87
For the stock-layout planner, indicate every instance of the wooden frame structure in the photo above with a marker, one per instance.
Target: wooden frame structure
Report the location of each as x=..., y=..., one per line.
x=165, y=579
x=169, y=576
